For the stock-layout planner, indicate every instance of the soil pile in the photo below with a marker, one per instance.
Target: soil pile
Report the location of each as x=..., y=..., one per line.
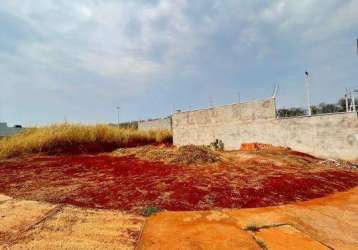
x=195, y=154
x=183, y=155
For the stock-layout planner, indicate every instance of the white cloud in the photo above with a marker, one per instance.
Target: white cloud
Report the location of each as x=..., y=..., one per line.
x=95, y=34
x=136, y=38
x=109, y=65
x=313, y=20
x=141, y=44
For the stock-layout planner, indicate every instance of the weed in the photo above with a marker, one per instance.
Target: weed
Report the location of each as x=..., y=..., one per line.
x=148, y=211
x=256, y=228
x=217, y=145
x=252, y=228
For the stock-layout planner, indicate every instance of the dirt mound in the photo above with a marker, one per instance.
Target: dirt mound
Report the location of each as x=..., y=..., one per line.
x=195, y=154
x=183, y=155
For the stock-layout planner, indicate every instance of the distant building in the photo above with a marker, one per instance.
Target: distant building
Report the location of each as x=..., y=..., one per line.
x=7, y=131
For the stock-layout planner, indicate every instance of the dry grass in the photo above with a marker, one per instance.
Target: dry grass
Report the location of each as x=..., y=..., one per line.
x=183, y=155
x=67, y=138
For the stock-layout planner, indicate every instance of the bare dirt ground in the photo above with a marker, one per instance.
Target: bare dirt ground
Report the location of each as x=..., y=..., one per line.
x=161, y=177
x=96, y=201
x=38, y=225
x=325, y=223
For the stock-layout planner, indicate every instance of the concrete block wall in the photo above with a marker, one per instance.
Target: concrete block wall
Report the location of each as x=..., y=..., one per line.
x=248, y=111
x=7, y=131
x=328, y=136
x=156, y=124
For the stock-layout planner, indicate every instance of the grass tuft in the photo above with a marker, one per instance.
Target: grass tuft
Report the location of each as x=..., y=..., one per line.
x=72, y=139
x=148, y=211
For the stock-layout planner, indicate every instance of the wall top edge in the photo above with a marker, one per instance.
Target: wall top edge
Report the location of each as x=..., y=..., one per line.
x=222, y=106
x=156, y=119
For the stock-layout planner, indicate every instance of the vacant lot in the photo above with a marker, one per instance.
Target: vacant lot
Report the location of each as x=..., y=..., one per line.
x=144, y=177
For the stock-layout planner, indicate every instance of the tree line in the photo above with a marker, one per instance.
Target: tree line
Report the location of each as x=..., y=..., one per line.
x=322, y=108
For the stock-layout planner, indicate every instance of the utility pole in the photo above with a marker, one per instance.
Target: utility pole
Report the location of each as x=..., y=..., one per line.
x=238, y=97
x=308, y=94
x=118, y=108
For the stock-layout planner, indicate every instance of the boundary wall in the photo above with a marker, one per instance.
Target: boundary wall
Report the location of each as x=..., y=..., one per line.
x=329, y=136
x=156, y=124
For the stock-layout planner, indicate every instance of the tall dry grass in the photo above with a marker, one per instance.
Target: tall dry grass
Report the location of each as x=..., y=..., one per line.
x=70, y=139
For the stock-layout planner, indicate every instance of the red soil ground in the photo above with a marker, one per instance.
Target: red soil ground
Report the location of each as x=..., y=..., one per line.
x=126, y=183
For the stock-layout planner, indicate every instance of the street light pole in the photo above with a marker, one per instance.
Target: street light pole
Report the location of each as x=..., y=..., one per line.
x=308, y=94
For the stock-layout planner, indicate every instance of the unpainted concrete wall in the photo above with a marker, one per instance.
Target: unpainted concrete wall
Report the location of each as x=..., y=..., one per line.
x=8, y=131
x=248, y=111
x=156, y=124
x=329, y=136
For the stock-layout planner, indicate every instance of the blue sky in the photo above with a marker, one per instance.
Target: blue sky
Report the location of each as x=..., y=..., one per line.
x=80, y=59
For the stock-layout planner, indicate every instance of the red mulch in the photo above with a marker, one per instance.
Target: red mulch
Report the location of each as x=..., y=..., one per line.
x=126, y=183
